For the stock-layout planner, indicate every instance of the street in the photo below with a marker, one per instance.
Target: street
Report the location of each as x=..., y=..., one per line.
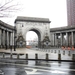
x=38, y=68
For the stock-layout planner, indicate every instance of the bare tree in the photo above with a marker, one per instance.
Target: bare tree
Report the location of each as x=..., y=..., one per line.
x=7, y=7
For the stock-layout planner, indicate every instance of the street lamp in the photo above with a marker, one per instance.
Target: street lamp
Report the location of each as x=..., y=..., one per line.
x=6, y=40
x=14, y=38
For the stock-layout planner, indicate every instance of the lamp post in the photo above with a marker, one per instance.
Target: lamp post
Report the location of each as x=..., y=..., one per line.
x=14, y=38
x=6, y=40
x=11, y=44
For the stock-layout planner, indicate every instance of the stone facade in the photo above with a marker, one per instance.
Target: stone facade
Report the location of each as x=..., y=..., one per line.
x=63, y=36
x=6, y=35
x=25, y=24
x=56, y=37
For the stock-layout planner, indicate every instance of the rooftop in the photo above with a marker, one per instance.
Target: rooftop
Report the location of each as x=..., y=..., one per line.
x=62, y=28
x=6, y=25
x=32, y=19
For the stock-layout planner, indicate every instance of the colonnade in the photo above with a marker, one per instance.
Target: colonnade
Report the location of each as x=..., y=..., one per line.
x=6, y=38
x=66, y=38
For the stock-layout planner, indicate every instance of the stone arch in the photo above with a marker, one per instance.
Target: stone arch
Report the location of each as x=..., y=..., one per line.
x=38, y=25
x=37, y=31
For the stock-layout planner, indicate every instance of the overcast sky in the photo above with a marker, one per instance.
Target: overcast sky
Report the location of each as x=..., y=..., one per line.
x=55, y=10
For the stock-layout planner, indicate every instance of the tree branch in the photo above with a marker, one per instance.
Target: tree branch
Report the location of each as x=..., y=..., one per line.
x=7, y=7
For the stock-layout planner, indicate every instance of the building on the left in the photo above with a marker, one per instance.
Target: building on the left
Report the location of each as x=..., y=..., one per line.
x=6, y=35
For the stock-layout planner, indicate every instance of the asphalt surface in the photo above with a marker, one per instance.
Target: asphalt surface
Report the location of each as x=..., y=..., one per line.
x=24, y=67
x=38, y=68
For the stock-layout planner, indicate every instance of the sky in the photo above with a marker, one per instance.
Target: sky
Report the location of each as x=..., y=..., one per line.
x=55, y=10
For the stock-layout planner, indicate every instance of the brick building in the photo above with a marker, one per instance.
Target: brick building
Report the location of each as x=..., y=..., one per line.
x=71, y=12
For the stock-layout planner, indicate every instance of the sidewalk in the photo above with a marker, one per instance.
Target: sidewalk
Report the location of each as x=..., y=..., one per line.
x=52, y=55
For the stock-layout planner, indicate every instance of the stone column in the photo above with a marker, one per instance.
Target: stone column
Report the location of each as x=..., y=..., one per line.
x=10, y=38
x=4, y=38
x=7, y=39
x=13, y=38
x=61, y=39
x=72, y=38
x=67, y=41
x=0, y=38
x=55, y=39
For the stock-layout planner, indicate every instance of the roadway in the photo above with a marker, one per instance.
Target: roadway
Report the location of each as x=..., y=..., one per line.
x=24, y=67
x=37, y=68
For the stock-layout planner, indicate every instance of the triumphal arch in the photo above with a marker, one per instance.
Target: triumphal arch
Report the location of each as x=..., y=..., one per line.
x=39, y=25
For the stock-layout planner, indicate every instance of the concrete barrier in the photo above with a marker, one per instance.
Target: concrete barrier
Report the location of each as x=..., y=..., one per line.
x=63, y=52
x=59, y=51
x=69, y=54
x=73, y=56
x=17, y=56
x=36, y=56
x=59, y=56
x=51, y=51
x=3, y=55
x=47, y=57
x=55, y=51
x=11, y=56
x=26, y=56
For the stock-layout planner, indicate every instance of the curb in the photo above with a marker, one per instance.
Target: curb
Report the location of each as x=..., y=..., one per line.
x=37, y=60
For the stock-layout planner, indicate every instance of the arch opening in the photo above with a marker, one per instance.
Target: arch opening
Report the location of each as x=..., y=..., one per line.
x=33, y=38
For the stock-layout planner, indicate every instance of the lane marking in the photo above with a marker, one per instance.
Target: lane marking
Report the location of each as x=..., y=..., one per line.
x=51, y=71
x=32, y=72
x=60, y=72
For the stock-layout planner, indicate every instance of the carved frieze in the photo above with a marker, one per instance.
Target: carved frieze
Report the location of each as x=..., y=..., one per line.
x=31, y=23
